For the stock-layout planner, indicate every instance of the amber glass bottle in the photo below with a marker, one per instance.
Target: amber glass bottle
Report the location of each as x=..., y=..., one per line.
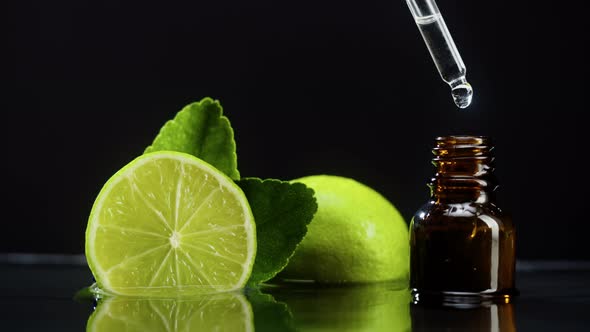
x=461, y=242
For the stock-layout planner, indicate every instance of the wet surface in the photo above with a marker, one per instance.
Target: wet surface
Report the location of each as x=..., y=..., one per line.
x=553, y=296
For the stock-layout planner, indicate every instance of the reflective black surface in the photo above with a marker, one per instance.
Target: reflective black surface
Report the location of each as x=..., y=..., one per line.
x=553, y=297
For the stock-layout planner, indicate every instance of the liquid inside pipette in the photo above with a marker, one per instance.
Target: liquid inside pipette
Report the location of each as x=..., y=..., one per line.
x=442, y=48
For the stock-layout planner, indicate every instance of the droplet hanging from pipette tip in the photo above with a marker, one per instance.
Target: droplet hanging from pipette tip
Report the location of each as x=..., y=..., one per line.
x=462, y=95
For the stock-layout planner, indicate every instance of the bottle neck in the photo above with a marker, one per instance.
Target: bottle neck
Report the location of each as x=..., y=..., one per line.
x=460, y=191
x=464, y=170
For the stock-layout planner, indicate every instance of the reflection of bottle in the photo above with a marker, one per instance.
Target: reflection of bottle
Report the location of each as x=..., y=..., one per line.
x=461, y=242
x=491, y=317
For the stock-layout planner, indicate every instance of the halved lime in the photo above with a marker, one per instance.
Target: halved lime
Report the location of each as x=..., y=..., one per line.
x=169, y=223
x=217, y=312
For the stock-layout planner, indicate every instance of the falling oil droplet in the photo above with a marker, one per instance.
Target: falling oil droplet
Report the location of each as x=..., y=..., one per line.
x=462, y=95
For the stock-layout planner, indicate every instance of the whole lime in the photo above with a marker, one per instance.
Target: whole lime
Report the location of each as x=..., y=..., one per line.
x=356, y=235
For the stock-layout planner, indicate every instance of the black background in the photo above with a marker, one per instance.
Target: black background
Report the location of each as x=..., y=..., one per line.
x=310, y=87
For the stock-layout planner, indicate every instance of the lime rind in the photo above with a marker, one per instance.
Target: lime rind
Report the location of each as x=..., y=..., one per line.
x=225, y=185
x=356, y=236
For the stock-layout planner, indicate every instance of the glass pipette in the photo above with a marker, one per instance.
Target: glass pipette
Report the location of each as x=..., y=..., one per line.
x=442, y=49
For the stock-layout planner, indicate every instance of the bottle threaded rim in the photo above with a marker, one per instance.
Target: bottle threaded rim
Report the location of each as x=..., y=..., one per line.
x=463, y=163
x=462, y=146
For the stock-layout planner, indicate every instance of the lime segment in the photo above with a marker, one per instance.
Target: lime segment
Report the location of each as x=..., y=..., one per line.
x=170, y=223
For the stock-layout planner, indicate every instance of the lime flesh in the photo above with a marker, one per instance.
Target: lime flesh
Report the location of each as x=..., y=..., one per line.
x=169, y=223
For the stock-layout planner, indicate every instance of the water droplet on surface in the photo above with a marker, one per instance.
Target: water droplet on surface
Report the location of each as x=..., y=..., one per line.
x=462, y=95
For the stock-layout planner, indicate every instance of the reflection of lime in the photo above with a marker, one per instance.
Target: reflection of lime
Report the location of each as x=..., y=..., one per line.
x=217, y=312
x=356, y=236
x=374, y=307
x=169, y=223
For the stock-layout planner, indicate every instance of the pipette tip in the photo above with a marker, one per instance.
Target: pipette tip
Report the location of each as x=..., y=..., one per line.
x=462, y=94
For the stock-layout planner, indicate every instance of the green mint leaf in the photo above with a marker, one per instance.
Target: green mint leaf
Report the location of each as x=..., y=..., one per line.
x=202, y=130
x=282, y=211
